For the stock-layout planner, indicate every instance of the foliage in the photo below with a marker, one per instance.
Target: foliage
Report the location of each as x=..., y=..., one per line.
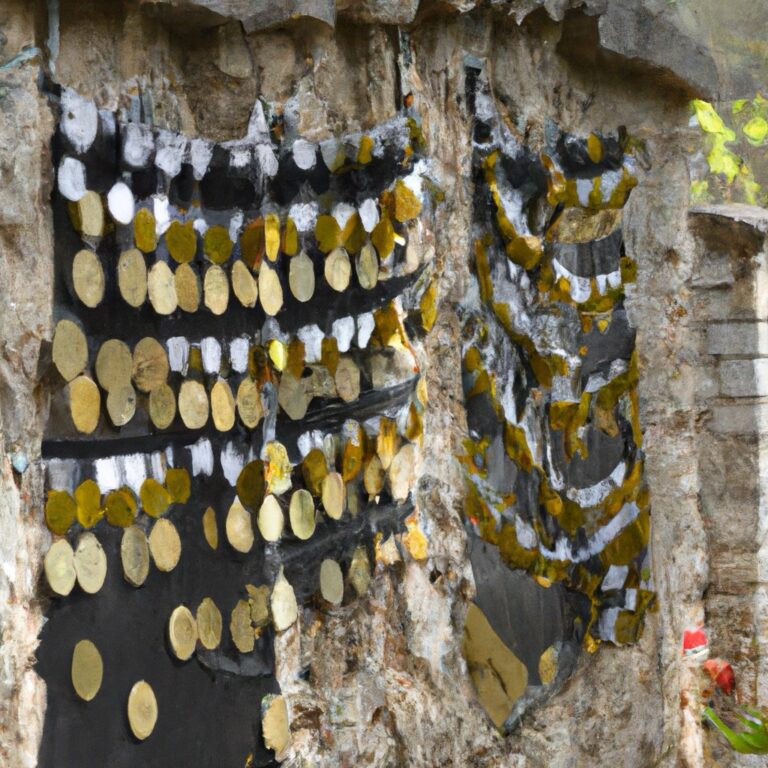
x=752, y=739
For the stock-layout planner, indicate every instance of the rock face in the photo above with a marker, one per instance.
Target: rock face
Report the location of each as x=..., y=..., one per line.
x=388, y=679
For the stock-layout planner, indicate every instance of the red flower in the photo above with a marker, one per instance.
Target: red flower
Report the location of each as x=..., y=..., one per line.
x=694, y=639
x=722, y=675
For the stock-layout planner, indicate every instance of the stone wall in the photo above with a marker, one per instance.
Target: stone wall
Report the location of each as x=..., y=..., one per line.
x=389, y=683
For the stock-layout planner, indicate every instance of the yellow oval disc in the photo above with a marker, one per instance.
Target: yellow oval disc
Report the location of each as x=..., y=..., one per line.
x=270, y=519
x=243, y=284
x=182, y=633
x=162, y=406
x=165, y=545
x=120, y=507
x=88, y=278
x=283, y=604
x=216, y=290
x=60, y=512
x=187, y=284
x=132, y=277
x=209, y=624
x=181, y=241
x=216, y=244
x=121, y=404
x=59, y=567
x=240, y=627
x=249, y=406
x=301, y=513
x=114, y=364
x=144, y=234
x=222, y=406
x=270, y=290
x=301, y=277
x=88, y=501
x=331, y=582
x=211, y=528
x=87, y=670
x=150, y=364
x=193, y=404
x=84, y=404
x=368, y=267
x=142, y=710
x=90, y=214
x=338, y=269
x=333, y=495
x=239, y=527
x=162, y=289
x=90, y=563
x=70, y=349
x=155, y=499
x=134, y=555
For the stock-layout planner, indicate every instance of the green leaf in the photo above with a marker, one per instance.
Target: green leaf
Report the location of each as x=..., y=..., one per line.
x=738, y=105
x=756, y=130
x=699, y=193
x=722, y=160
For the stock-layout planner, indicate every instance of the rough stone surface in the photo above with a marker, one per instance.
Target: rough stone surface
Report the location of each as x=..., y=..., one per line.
x=388, y=684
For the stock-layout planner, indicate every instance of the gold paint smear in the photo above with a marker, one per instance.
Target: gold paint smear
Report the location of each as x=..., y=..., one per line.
x=132, y=277
x=360, y=571
x=283, y=604
x=84, y=404
x=187, y=285
x=87, y=670
x=500, y=678
x=274, y=724
x=211, y=528
x=90, y=563
x=88, y=503
x=182, y=632
x=270, y=290
x=239, y=527
x=165, y=545
x=216, y=289
x=272, y=236
x=243, y=284
x=240, y=627
x=209, y=624
x=59, y=567
x=142, y=710
x=331, y=582
x=88, y=278
x=314, y=468
x=327, y=233
x=134, y=555
x=251, y=484
x=179, y=484
x=70, y=349
x=277, y=467
x=162, y=406
x=548, y=665
x=161, y=287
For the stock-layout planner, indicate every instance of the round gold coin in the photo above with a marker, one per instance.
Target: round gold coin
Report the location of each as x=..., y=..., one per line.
x=182, y=633
x=134, y=554
x=59, y=567
x=338, y=269
x=270, y=520
x=84, y=404
x=165, y=545
x=187, y=285
x=150, y=364
x=333, y=495
x=162, y=406
x=301, y=277
x=222, y=406
x=216, y=290
x=283, y=604
x=239, y=527
x=142, y=710
x=161, y=287
x=181, y=241
x=88, y=278
x=331, y=582
x=211, y=528
x=87, y=670
x=243, y=284
x=209, y=624
x=270, y=290
x=121, y=404
x=114, y=364
x=193, y=404
x=70, y=349
x=249, y=406
x=90, y=563
x=368, y=267
x=301, y=513
x=132, y=277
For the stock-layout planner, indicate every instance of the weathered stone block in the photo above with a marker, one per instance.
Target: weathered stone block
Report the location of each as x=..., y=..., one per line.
x=729, y=338
x=740, y=418
x=744, y=378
